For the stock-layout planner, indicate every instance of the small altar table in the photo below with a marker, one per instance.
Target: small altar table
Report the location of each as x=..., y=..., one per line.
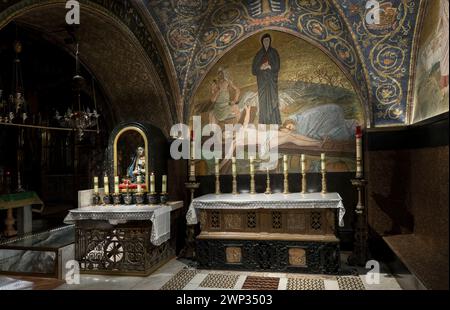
x=278, y=232
x=124, y=239
x=23, y=202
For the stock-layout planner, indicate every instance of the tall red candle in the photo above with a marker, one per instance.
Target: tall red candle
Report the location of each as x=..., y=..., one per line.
x=358, y=151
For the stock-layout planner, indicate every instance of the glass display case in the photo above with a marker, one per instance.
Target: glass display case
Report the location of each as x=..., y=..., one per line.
x=43, y=255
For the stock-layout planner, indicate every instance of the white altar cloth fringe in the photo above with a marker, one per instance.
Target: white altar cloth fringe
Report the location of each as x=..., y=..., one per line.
x=158, y=215
x=263, y=201
x=161, y=226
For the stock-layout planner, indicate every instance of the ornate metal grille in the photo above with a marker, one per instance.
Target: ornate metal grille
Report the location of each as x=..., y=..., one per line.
x=251, y=220
x=276, y=220
x=316, y=219
x=120, y=249
x=215, y=219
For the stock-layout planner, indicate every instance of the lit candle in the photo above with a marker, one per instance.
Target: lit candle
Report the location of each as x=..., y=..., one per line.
x=164, y=184
x=303, y=161
x=152, y=183
x=322, y=161
x=252, y=167
x=106, y=184
x=193, y=149
x=139, y=186
x=233, y=165
x=116, y=184
x=96, y=185
x=267, y=169
x=217, y=166
x=358, y=150
x=285, y=163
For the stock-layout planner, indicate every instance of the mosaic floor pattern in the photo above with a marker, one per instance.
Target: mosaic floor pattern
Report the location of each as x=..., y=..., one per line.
x=192, y=279
x=217, y=280
x=180, y=280
x=179, y=274
x=350, y=283
x=261, y=283
x=305, y=284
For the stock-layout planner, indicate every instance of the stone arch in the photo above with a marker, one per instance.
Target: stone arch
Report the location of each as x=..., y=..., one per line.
x=212, y=65
x=338, y=43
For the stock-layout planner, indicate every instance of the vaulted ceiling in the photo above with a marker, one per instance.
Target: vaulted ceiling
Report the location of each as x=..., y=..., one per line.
x=151, y=55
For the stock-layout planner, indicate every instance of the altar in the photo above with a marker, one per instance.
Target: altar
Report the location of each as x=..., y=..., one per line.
x=125, y=239
x=279, y=232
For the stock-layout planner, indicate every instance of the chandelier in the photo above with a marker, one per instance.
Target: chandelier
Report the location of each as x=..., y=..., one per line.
x=80, y=118
x=14, y=106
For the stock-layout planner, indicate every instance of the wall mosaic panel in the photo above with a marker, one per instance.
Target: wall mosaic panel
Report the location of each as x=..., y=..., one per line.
x=370, y=55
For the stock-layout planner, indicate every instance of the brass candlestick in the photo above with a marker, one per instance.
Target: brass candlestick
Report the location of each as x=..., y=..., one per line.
x=303, y=182
x=234, y=173
x=286, y=182
x=234, y=184
x=192, y=174
x=252, y=183
x=324, y=182
x=268, y=190
x=189, y=249
x=218, y=184
x=360, y=253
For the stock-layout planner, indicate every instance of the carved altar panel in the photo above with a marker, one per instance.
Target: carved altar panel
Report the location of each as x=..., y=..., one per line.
x=233, y=255
x=277, y=221
x=297, y=257
x=296, y=222
x=252, y=221
x=203, y=216
x=316, y=222
x=232, y=221
x=308, y=222
x=214, y=219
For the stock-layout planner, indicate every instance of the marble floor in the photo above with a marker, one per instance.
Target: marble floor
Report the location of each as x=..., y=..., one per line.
x=180, y=274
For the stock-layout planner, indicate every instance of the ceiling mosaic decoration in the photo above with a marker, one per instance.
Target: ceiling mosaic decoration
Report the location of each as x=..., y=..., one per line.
x=222, y=24
x=196, y=33
x=375, y=56
x=386, y=49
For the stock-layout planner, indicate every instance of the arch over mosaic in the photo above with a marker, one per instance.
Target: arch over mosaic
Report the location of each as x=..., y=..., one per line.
x=379, y=69
x=377, y=57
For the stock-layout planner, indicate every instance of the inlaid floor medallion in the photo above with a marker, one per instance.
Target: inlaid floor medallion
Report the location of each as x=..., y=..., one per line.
x=350, y=283
x=180, y=280
x=305, y=284
x=217, y=280
x=261, y=283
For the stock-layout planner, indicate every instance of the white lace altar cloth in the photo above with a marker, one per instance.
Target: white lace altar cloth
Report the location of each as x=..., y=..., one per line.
x=263, y=201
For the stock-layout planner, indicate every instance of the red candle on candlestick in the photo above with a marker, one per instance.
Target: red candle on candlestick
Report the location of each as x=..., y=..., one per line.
x=358, y=132
x=358, y=151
